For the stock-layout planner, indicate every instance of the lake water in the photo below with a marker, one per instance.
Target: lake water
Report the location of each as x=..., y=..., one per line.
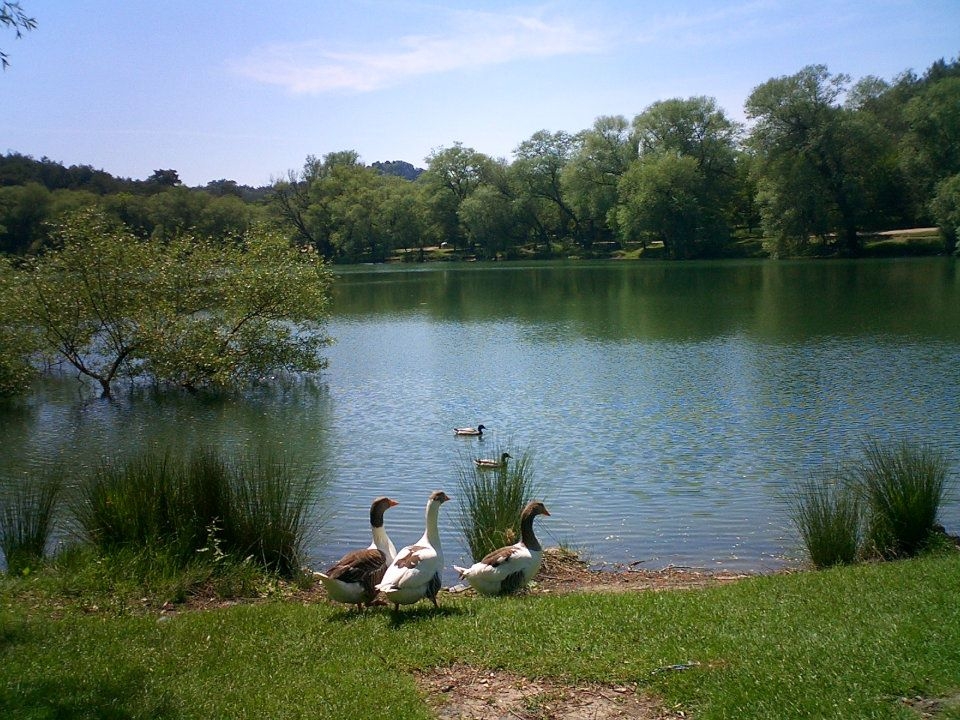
x=666, y=407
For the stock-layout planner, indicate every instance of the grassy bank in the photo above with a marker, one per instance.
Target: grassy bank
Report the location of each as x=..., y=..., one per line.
x=846, y=643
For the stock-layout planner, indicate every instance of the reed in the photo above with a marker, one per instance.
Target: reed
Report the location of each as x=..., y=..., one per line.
x=255, y=508
x=904, y=487
x=271, y=506
x=26, y=522
x=826, y=512
x=490, y=502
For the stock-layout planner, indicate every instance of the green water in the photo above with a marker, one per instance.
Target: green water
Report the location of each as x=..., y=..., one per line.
x=666, y=406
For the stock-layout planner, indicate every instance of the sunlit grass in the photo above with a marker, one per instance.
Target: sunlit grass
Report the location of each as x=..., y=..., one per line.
x=850, y=642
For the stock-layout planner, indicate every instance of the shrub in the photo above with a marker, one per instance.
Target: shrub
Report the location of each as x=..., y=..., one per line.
x=26, y=522
x=491, y=502
x=903, y=488
x=826, y=512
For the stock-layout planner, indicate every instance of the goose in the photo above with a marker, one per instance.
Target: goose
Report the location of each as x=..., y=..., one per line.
x=352, y=579
x=493, y=463
x=469, y=431
x=510, y=568
x=415, y=572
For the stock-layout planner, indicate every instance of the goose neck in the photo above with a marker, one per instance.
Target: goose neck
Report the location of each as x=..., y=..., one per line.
x=526, y=532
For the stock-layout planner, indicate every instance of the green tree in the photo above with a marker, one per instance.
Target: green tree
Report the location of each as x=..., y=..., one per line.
x=682, y=188
x=945, y=207
x=814, y=159
x=452, y=175
x=12, y=16
x=931, y=146
x=538, y=167
x=591, y=177
x=17, y=344
x=186, y=312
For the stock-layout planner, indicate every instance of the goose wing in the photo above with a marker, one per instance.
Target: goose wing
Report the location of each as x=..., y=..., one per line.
x=359, y=566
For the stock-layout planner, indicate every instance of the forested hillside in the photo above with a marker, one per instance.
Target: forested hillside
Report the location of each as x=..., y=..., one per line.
x=822, y=161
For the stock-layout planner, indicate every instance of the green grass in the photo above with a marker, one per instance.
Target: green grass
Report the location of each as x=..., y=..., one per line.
x=847, y=642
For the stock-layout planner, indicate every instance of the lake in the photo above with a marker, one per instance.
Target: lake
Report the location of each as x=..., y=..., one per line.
x=666, y=407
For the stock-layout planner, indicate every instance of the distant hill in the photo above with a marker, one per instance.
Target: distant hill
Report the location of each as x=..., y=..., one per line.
x=400, y=168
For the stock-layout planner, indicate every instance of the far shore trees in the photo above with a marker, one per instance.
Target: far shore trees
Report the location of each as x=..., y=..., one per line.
x=186, y=312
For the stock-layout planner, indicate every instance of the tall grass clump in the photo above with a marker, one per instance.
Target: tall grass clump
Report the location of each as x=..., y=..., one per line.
x=128, y=504
x=199, y=507
x=491, y=501
x=826, y=511
x=270, y=510
x=26, y=522
x=904, y=488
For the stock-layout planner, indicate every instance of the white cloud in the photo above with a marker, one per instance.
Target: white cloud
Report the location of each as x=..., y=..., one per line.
x=475, y=39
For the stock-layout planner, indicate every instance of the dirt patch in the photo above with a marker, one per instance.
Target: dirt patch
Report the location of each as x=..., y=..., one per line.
x=931, y=707
x=463, y=692
x=564, y=572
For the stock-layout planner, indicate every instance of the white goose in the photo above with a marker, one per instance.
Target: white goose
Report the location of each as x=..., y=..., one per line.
x=469, y=431
x=415, y=572
x=353, y=578
x=510, y=568
x=493, y=463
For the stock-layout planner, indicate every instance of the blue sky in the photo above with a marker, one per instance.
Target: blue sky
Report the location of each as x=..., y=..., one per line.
x=246, y=90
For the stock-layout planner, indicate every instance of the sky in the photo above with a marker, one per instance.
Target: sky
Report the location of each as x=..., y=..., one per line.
x=245, y=91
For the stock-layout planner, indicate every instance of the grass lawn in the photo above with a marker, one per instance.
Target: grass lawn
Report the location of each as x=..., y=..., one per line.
x=844, y=643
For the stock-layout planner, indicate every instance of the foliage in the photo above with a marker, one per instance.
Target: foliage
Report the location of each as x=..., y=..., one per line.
x=814, y=159
x=826, y=512
x=12, y=16
x=945, y=207
x=491, y=501
x=904, y=488
x=185, y=312
x=825, y=161
x=254, y=508
x=16, y=342
x=26, y=521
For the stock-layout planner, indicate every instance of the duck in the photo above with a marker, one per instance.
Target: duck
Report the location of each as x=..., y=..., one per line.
x=469, y=431
x=510, y=568
x=493, y=463
x=353, y=578
x=415, y=572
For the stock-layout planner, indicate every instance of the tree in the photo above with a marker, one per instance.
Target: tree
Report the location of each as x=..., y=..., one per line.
x=186, y=312
x=538, y=166
x=12, y=16
x=590, y=178
x=17, y=344
x=682, y=188
x=814, y=159
x=945, y=207
x=452, y=175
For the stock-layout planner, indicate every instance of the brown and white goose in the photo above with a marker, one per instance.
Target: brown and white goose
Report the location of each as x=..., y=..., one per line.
x=415, y=572
x=510, y=568
x=353, y=578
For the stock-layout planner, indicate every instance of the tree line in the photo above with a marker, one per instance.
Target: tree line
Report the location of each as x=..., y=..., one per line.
x=823, y=161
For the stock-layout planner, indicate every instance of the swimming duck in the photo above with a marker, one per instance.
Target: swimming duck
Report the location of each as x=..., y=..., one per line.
x=493, y=463
x=510, y=568
x=469, y=431
x=352, y=579
x=415, y=572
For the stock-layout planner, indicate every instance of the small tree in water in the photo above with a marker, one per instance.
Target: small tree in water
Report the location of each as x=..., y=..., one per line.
x=189, y=312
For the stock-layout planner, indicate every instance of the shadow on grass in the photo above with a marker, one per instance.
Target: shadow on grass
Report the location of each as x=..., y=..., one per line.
x=421, y=613
x=70, y=698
